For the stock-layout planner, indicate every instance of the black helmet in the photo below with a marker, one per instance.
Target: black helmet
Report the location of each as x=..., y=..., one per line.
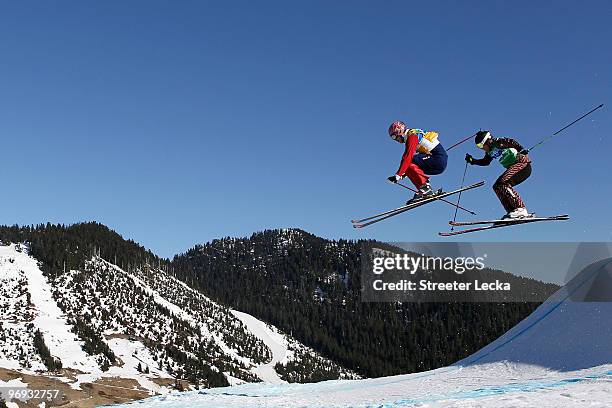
x=481, y=138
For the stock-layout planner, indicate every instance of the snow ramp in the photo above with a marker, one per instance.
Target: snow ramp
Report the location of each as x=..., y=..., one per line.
x=572, y=330
x=560, y=355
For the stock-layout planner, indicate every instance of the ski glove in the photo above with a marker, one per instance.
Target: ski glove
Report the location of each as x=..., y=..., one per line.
x=394, y=178
x=469, y=158
x=524, y=151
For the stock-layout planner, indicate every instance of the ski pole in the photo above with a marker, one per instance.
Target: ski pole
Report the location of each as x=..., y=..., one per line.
x=564, y=127
x=441, y=199
x=463, y=140
x=459, y=197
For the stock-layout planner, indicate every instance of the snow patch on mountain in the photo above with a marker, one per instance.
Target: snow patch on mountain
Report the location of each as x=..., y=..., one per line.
x=272, y=338
x=135, y=358
x=43, y=311
x=141, y=324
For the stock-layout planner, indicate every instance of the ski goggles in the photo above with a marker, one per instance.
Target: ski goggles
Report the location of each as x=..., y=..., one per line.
x=484, y=141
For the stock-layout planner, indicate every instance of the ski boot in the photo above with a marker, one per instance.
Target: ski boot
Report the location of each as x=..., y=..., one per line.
x=517, y=214
x=424, y=192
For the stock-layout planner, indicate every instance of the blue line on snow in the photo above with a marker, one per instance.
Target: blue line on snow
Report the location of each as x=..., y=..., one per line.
x=497, y=390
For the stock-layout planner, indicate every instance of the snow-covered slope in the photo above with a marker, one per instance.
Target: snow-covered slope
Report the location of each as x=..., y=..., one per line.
x=572, y=330
x=561, y=355
x=276, y=342
x=27, y=300
x=141, y=324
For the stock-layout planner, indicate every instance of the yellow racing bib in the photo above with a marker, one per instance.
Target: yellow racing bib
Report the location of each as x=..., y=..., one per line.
x=427, y=140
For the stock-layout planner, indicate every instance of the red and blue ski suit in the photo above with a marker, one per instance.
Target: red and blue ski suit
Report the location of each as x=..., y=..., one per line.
x=416, y=166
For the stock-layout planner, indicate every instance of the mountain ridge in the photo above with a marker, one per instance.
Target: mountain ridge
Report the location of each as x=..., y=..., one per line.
x=101, y=318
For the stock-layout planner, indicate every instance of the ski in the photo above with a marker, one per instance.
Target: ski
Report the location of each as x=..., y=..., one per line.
x=504, y=223
x=379, y=215
x=387, y=214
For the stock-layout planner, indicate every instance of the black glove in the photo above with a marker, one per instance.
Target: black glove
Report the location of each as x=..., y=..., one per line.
x=394, y=178
x=469, y=158
x=524, y=151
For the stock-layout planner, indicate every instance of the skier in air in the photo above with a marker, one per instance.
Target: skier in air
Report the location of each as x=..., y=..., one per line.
x=514, y=158
x=424, y=155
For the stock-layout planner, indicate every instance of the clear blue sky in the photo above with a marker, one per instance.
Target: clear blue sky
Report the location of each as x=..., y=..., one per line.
x=177, y=122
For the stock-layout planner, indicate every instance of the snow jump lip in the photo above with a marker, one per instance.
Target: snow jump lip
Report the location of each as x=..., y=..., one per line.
x=570, y=302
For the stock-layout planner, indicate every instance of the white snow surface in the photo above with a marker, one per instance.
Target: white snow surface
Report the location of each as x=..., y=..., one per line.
x=48, y=317
x=559, y=356
x=132, y=353
x=275, y=341
x=44, y=313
